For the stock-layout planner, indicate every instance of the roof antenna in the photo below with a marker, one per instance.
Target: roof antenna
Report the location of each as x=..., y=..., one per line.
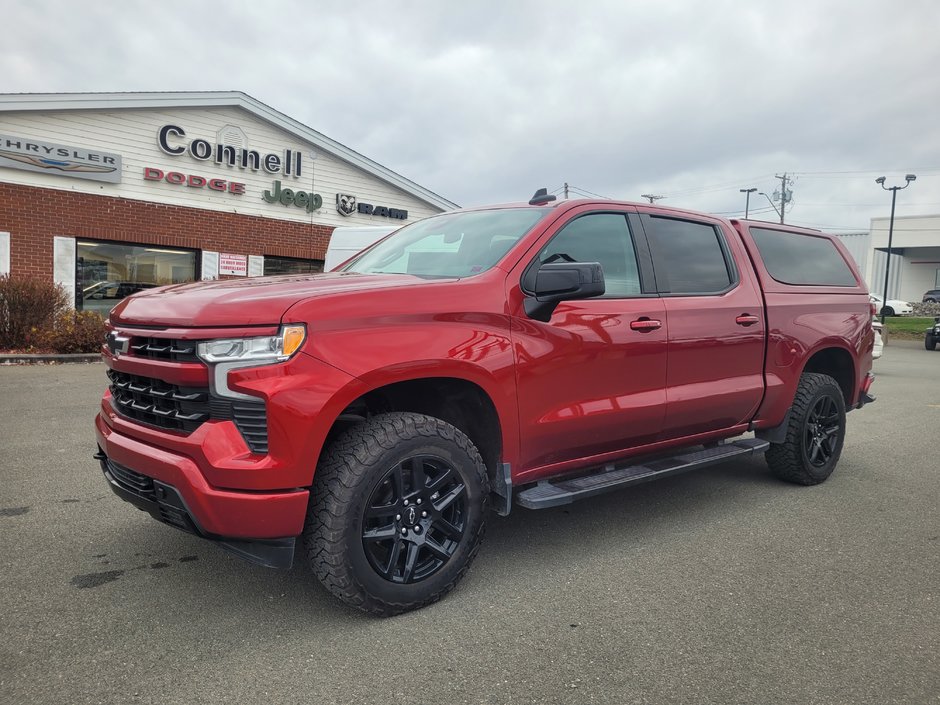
x=541, y=196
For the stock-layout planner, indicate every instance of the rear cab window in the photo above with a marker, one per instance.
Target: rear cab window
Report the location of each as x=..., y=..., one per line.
x=801, y=259
x=790, y=260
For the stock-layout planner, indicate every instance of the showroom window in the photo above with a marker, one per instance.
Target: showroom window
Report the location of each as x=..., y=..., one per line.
x=109, y=271
x=291, y=265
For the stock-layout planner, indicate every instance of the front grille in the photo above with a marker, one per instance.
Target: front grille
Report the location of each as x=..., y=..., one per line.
x=166, y=349
x=158, y=403
x=133, y=482
x=160, y=500
x=169, y=407
x=251, y=418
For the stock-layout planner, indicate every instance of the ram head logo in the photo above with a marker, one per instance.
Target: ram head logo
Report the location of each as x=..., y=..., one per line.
x=345, y=204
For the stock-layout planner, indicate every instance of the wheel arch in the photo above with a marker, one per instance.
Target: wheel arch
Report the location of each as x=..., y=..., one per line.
x=838, y=363
x=461, y=402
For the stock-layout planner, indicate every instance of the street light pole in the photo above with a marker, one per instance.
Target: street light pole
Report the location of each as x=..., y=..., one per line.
x=894, y=195
x=747, y=201
x=772, y=204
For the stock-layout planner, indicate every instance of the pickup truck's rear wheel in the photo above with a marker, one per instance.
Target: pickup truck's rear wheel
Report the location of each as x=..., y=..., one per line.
x=396, y=513
x=815, y=433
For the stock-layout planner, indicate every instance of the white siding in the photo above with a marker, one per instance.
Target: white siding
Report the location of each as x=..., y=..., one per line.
x=877, y=283
x=858, y=245
x=132, y=133
x=918, y=237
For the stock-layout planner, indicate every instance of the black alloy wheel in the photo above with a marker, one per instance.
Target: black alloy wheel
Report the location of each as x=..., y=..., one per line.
x=397, y=512
x=815, y=432
x=822, y=431
x=415, y=519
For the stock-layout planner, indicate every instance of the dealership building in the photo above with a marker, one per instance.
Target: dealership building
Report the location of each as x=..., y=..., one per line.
x=111, y=193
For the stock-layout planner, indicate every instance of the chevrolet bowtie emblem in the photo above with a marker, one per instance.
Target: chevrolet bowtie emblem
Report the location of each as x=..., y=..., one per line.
x=118, y=344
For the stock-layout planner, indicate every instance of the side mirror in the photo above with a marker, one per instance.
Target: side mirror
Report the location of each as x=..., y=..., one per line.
x=563, y=281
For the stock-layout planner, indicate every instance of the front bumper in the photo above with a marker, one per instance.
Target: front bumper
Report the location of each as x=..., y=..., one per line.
x=260, y=526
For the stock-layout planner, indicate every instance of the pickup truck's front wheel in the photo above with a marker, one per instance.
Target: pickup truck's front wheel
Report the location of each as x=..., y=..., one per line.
x=815, y=433
x=397, y=512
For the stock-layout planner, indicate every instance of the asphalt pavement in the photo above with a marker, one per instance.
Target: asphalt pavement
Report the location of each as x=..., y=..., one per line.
x=720, y=586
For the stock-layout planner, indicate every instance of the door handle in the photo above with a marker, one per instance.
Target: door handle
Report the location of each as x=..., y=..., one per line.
x=746, y=319
x=645, y=325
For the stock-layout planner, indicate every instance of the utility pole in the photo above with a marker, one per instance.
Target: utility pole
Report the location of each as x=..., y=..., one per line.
x=786, y=194
x=651, y=197
x=566, y=190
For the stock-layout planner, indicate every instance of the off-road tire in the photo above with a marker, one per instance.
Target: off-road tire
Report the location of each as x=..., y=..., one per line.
x=359, y=464
x=802, y=457
x=930, y=341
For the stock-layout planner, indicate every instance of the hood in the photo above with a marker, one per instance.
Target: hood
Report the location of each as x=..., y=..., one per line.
x=242, y=302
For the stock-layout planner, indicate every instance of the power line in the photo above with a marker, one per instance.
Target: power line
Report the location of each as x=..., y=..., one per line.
x=585, y=192
x=865, y=171
x=753, y=211
x=715, y=187
x=866, y=205
x=857, y=175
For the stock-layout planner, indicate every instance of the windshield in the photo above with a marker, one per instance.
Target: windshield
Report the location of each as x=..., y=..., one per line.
x=448, y=245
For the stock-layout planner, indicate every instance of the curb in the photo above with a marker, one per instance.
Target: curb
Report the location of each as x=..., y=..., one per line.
x=27, y=359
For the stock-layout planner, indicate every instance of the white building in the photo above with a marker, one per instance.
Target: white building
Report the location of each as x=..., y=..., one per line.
x=915, y=256
x=109, y=193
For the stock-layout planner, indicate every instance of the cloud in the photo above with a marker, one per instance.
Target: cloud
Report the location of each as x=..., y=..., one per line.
x=487, y=101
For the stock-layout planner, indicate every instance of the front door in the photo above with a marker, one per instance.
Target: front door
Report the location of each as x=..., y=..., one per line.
x=591, y=380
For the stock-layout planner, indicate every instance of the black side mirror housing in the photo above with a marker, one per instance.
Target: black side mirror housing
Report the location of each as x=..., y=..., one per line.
x=563, y=281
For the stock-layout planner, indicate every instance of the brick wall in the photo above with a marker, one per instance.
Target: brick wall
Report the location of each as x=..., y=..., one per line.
x=33, y=216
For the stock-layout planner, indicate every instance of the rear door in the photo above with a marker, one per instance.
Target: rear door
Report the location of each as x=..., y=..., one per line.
x=715, y=318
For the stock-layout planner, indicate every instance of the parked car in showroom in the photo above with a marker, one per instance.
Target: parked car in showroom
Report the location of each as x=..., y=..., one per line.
x=931, y=297
x=932, y=335
x=894, y=307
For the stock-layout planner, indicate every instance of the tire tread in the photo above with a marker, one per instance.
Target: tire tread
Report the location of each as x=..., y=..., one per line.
x=785, y=459
x=347, y=462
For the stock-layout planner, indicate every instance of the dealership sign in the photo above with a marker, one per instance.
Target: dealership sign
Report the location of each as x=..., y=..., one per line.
x=59, y=159
x=289, y=197
x=173, y=141
x=347, y=204
x=193, y=180
x=234, y=265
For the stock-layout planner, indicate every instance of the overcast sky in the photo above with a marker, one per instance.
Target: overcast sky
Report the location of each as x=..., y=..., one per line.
x=486, y=101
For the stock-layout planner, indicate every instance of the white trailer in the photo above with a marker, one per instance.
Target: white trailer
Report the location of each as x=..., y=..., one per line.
x=348, y=241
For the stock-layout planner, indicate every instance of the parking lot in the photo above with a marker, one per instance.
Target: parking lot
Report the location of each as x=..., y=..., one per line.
x=721, y=586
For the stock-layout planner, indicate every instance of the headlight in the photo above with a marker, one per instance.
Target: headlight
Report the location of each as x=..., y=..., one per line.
x=228, y=354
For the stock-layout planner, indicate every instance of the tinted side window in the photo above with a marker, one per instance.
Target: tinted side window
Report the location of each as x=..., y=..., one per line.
x=795, y=258
x=689, y=257
x=604, y=238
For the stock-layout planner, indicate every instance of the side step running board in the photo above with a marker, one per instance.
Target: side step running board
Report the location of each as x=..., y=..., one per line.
x=552, y=494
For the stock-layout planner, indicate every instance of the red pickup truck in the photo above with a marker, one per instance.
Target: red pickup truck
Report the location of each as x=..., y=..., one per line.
x=533, y=353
